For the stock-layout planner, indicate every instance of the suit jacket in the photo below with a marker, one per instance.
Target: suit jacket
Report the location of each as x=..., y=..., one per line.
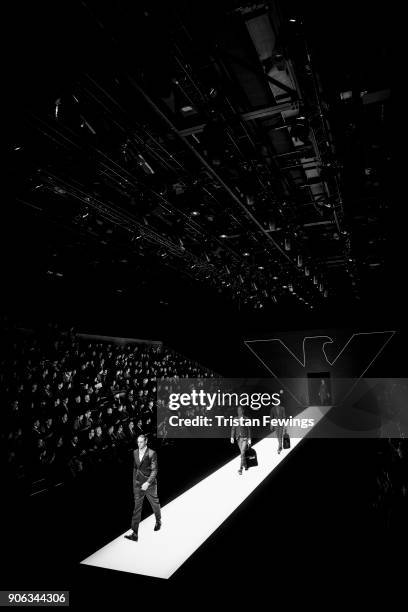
x=240, y=431
x=278, y=412
x=146, y=470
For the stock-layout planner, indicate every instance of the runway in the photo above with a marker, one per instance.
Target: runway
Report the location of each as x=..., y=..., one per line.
x=190, y=519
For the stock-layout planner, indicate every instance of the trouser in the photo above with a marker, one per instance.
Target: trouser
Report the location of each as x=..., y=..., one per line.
x=139, y=494
x=243, y=445
x=280, y=430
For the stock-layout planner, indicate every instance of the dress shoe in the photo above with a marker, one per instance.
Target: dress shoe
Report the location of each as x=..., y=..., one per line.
x=133, y=536
x=240, y=471
x=157, y=526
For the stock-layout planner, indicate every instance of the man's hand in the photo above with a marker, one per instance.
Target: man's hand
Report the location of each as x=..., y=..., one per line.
x=145, y=486
x=232, y=440
x=249, y=442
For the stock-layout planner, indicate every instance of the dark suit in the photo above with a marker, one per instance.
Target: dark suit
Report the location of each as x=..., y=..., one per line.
x=278, y=412
x=242, y=434
x=145, y=471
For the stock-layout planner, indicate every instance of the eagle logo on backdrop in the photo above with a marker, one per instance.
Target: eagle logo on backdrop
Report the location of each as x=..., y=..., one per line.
x=340, y=355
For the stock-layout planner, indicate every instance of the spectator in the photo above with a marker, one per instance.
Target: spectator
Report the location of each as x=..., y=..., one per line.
x=120, y=435
x=60, y=389
x=131, y=435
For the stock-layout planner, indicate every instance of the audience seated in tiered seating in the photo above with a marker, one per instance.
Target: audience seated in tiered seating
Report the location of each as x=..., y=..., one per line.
x=70, y=404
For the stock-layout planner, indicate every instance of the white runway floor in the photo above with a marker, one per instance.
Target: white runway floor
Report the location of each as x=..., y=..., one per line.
x=192, y=517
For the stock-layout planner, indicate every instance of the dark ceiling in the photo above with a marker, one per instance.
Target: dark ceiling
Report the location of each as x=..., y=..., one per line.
x=217, y=148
